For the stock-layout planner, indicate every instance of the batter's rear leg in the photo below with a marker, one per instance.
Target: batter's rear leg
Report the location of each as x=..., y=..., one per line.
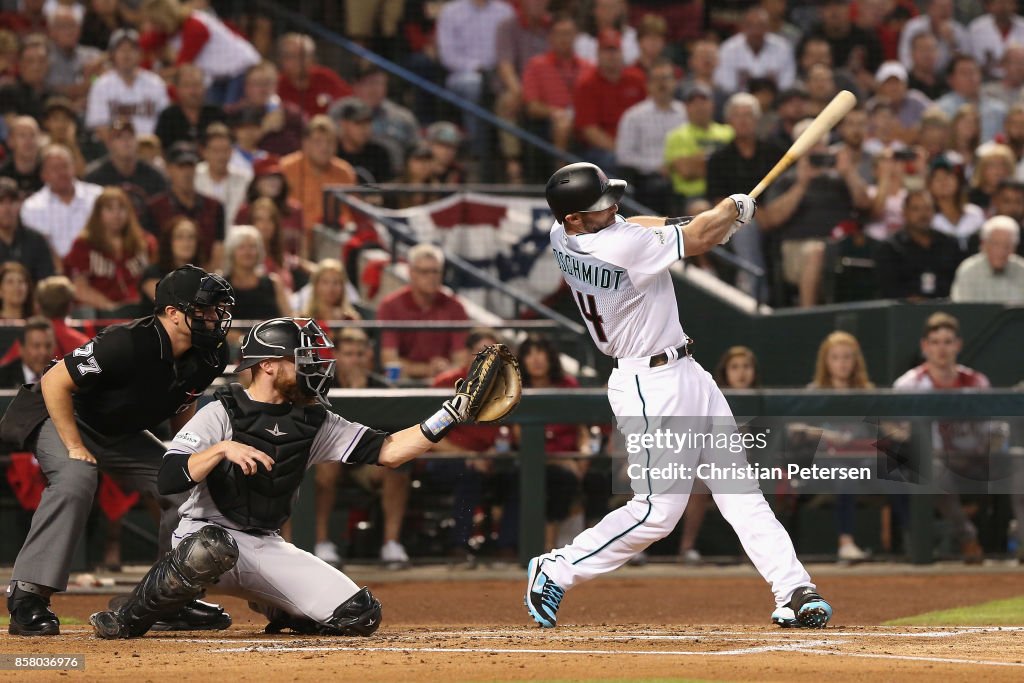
x=181, y=576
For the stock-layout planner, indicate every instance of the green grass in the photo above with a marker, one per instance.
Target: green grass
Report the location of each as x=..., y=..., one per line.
x=65, y=621
x=1009, y=612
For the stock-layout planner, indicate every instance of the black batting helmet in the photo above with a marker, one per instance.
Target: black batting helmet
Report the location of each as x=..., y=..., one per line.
x=297, y=338
x=581, y=187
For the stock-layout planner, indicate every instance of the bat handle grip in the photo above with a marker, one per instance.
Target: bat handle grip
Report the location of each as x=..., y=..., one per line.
x=756, y=192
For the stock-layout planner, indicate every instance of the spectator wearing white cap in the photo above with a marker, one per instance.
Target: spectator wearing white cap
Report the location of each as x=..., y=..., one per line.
x=907, y=105
x=996, y=273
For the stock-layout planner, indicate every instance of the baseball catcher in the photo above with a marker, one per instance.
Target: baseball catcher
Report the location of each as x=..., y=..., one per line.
x=244, y=456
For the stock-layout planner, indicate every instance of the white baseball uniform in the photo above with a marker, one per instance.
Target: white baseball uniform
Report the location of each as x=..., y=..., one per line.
x=620, y=281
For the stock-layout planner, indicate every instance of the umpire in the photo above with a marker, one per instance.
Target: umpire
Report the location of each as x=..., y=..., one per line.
x=92, y=411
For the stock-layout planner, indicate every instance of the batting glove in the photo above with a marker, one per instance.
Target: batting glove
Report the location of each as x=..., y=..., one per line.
x=746, y=207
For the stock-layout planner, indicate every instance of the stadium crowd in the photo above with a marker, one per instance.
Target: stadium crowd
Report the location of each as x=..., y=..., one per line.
x=141, y=135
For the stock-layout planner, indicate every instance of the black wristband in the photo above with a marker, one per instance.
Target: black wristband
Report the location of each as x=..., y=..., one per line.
x=678, y=220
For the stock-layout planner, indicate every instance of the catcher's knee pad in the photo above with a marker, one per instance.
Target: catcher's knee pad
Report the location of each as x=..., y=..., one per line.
x=203, y=556
x=360, y=615
x=177, y=578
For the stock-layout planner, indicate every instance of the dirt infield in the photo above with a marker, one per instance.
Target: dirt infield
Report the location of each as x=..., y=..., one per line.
x=616, y=628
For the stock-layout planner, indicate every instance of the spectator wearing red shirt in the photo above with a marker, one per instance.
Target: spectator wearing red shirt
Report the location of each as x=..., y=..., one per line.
x=542, y=369
x=549, y=81
x=182, y=35
x=107, y=260
x=422, y=353
x=183, y=200
x=309, y=86
x=29, y=18
x=54, y=297
x=601, y=98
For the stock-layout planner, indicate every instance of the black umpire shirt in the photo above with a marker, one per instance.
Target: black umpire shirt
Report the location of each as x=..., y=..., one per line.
x=128, y=379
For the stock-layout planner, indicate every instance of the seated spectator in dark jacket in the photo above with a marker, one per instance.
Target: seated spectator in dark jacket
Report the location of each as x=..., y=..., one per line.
x=181, y=199
x=186, y=119
x=18, y=243
x=123, y=168
x=107, y=260
x=918, y=262
x=23, y=163
x=54, y=297
x=423, y=354
x=355, y=130
x=28, y=93
x=37, y=348
x=805, y=205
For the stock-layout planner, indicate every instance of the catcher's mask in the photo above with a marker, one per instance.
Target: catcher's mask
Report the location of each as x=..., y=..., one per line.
x=579, y=188
x=204, y=298
x=298, y=338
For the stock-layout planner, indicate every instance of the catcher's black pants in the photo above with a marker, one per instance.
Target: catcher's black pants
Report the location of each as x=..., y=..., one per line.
x=132, y=460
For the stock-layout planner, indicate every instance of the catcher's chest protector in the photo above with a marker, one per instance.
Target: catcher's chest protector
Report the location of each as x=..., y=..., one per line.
x=285, y=432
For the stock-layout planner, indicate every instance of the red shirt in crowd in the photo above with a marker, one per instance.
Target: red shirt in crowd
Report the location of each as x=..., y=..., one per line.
x=68, y=339
x=324, y=87
x=551, y=81
x=563, y=437
x=420, y=346
x=207, y=213
x=115, y=278
x=600, y=102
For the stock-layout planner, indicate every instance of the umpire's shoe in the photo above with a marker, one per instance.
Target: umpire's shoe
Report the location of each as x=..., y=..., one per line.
x=543, y=596
x=30, y=614
x=806, y=609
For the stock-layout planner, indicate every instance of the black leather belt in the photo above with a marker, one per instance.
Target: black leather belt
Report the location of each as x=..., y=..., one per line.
x=253, y=531
x=660, y=359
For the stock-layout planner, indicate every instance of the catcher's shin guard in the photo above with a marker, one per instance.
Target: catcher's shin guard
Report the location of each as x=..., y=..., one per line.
x=178, y=578
x=360, y=615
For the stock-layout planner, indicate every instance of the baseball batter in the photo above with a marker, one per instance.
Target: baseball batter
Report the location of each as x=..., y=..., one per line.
x=244, y=457
x=617, y=271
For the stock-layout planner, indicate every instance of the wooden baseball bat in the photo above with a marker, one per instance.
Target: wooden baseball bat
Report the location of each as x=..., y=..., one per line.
x=839, y=107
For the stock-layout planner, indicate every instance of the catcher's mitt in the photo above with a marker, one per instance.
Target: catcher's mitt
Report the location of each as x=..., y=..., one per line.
x=492, y=386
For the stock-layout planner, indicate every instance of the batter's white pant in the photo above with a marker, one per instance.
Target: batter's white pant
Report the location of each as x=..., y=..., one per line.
x=272, y=572
x=680, y=388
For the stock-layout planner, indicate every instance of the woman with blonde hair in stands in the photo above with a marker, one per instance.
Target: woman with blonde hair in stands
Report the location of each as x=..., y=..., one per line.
x=328, y=298
x=108, y=258
x=259, y=295
x=15, y=291
x=995, y=163
x=840, y=365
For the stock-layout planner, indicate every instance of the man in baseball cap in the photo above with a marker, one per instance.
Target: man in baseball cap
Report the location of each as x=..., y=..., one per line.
x=92, y=411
